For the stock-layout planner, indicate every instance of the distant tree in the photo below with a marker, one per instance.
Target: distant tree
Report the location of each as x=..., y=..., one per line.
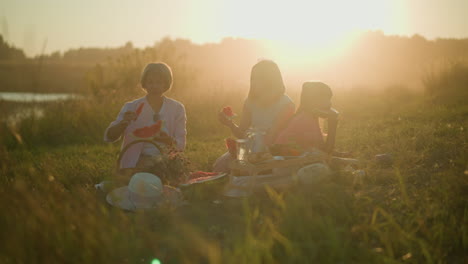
x=8, y=52
x=97, y=55
x=55, y=55
x=128, y=45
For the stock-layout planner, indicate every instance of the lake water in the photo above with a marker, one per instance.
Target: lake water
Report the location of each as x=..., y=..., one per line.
x=36, y=97
x=13, y=115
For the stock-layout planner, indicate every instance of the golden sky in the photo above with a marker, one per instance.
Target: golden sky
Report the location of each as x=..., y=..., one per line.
x=64, y=24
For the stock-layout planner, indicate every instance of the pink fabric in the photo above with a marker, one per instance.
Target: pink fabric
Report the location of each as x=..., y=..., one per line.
x=303, y=130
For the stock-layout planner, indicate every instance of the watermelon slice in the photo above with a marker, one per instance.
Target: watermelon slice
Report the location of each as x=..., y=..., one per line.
x=228, y=112
x=205, y=177
x=139, y=109
x=148, y=131
x=206, y=187
x=199, y=179
x=199, y=174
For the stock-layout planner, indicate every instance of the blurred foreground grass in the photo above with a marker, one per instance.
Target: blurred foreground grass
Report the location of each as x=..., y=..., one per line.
x=415, y=212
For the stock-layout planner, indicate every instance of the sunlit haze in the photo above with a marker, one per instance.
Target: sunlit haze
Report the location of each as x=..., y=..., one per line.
x=325, y=26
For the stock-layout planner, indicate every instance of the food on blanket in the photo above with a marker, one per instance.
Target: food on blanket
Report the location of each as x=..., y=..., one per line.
x=231, y=145
x=228, y=112
x=199, y=179
x=148, y=131
x=285, y=150
x=198, y=174
x=259, y=157
x=294, y=152
x=204, y=177
x=204, y=185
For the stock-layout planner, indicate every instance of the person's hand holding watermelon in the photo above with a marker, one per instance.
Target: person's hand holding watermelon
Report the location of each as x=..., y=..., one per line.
x=130, y=116
x=227, y=111
x=226, y=115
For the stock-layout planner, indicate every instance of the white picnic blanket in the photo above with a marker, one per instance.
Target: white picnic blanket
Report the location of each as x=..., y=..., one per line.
x=244, y=185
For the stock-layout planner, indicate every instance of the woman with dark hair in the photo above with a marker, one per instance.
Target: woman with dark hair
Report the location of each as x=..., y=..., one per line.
x=267, y=108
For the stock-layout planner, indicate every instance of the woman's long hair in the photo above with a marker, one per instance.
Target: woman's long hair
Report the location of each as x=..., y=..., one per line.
x=268, y=72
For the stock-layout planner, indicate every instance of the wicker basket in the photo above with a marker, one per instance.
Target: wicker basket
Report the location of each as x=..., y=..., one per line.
x=123, y=175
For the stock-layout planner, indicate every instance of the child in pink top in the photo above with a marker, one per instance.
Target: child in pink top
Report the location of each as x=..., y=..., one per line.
x=303, y=132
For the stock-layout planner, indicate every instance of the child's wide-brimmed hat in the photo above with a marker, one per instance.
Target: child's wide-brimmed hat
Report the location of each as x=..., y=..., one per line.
x=144, y=191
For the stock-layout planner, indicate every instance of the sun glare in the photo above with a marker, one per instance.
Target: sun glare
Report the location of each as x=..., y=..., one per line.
x=299, y=29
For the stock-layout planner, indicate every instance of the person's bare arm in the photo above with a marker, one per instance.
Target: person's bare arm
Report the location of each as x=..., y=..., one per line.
x=237, y=130
x=332, y=126
x=114, y=132
x=330, y=144
x=332, y=123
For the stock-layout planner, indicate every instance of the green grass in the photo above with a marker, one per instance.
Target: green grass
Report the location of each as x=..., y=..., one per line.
x=414, y=212
x=417, y=210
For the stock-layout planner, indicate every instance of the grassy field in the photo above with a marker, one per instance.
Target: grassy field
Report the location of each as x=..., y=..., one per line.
x=414, y=212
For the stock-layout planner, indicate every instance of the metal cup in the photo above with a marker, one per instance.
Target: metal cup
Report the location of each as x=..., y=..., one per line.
x=242, y=149
x=257, y=139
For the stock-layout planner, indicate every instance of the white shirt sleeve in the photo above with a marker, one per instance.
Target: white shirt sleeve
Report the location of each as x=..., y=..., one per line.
x=115, y=122
x=180, y=130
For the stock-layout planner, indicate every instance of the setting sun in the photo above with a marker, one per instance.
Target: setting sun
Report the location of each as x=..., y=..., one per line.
x=302, y=21
x=297, y=28
x=234, y=131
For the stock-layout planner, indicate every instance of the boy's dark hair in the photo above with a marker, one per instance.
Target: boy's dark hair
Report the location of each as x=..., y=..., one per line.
x=312, y=90
x=270, y=70
x=316, y=88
